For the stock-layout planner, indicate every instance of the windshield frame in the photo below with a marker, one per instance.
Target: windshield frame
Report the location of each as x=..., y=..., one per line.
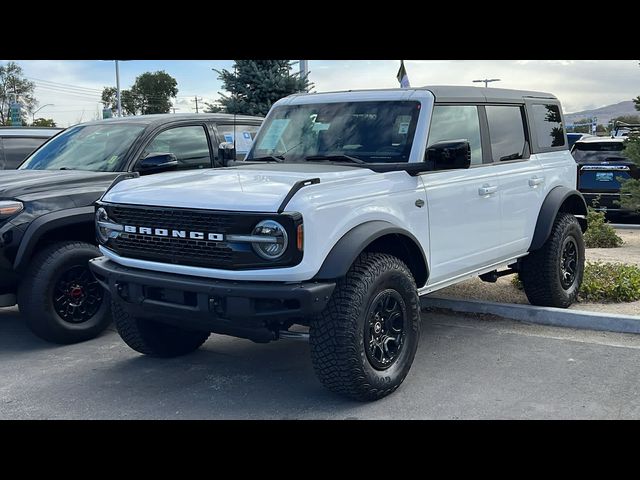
x=418, y=126
x=123, y=162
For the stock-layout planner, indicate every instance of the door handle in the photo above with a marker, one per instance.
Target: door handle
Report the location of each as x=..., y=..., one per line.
x=485, y=190
x=535, y=181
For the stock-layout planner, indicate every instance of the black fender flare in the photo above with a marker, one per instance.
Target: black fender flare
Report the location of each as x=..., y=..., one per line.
x=356, y=240
x=574, y=203
x=45, y=223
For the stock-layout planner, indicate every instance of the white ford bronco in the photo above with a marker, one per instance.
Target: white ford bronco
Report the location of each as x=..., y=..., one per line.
x=348, y=208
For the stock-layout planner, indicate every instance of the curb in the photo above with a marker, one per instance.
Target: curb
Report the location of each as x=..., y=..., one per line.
x=625, y=226
x=557, y=317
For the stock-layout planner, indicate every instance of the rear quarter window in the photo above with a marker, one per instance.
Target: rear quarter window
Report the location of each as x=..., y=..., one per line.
x=549, y=130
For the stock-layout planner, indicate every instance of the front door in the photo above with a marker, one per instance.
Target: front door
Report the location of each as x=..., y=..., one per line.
x=463, y=205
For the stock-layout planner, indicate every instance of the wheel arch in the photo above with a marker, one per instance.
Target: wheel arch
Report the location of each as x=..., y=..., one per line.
x=70, y=224
x=559, y=199
x=375, y=236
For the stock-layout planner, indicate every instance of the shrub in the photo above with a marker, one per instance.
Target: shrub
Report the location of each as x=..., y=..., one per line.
x=605, y=282
x=610, y=282
x=600, y=234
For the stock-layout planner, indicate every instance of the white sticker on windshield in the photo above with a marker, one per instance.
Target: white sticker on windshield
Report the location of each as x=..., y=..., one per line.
x=404, y=128
x=270, y=139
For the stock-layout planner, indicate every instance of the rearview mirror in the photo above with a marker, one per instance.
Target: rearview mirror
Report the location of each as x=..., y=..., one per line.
x=449, y=155
x=156, y=162
x=226, y=152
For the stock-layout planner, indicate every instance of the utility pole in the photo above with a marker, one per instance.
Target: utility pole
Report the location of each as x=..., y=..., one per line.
x=486, y=81
x=196, y=104
x=118, y=89
x=304, y=68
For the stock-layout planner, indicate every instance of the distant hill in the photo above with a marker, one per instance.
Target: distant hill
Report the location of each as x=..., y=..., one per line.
x=604, y=114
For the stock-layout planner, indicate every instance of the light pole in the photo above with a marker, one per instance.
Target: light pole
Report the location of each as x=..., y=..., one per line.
x=33, y=115
x=118, y=89
x=486, y=81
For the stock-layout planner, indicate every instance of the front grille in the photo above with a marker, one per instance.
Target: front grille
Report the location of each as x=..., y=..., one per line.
x=173, y=218
x=192, y=252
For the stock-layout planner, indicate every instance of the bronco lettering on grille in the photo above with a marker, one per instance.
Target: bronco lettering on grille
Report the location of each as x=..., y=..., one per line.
x=165, y=232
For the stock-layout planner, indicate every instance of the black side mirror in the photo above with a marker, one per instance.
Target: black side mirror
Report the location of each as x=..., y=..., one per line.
x=226, y=153
x=156, y=162
x=449, y=155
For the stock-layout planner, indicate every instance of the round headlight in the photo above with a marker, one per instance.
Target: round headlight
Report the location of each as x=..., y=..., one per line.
x=101, y=230
x=274, y=242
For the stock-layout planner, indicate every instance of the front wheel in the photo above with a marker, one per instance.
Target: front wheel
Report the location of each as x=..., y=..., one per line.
x=364, y=342
x=552, y=275
x=59, y=297
x=155, y=339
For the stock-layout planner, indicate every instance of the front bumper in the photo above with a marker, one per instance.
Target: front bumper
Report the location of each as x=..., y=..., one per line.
x=244, y=309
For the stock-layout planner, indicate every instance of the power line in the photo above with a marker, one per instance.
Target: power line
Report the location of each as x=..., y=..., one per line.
x=66, y=85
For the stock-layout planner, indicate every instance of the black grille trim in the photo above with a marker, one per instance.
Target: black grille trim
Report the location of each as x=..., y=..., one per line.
x=191, y=252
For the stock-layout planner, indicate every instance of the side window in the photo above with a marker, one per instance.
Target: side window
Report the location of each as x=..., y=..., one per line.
x=16, y=149
x=506, y=130
x=3, y=163
x=189, y=145
x=456, y=123
x=548, y=126
x=245, y=134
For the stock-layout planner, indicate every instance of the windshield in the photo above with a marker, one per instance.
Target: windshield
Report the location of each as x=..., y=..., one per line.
x=598, y=152
x=96, y=148
x=374, y=132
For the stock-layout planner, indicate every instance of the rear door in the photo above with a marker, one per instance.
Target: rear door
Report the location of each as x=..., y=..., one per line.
x=520, y=177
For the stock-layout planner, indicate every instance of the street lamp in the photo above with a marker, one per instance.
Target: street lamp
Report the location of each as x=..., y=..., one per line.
x=486, y=81
x=33, y=115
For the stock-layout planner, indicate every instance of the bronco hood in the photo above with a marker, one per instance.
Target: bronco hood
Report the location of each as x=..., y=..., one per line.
x=250, y=188
x=81, y=187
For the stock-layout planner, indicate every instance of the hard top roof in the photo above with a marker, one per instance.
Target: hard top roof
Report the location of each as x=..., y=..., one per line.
x=161, y=118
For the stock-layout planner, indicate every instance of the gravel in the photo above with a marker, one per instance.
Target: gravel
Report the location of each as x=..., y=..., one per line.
x=504, y=292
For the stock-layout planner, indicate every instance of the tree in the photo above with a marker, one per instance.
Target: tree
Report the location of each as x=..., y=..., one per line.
x=150, y=93
x=12, y=81
x=153, y=92
x=213, y=108
x=255, y=85
x=637, y=102
x=630, y=190
x=43, y=122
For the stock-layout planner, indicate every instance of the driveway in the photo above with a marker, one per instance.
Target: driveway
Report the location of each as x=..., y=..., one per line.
x=465, y=368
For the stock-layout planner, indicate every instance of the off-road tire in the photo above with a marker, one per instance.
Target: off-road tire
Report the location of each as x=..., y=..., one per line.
x=38, y=286
x=540, y=271
x=337, y=335
x=154, y=338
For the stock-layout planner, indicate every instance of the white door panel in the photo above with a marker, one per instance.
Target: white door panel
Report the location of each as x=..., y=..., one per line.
x=521, y=188
x=464, y=220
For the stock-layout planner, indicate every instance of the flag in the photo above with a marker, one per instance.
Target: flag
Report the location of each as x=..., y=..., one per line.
x=402, y=76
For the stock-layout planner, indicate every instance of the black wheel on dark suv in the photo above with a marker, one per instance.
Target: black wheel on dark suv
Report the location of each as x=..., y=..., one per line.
x=61, y=300
x=364, y=342
x=552, y=275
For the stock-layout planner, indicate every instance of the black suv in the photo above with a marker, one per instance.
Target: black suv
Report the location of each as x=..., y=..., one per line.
x=16, y=143
x=47, y=230
x=601, y=166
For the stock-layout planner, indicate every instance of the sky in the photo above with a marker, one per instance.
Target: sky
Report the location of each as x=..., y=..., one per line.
x=74, y=86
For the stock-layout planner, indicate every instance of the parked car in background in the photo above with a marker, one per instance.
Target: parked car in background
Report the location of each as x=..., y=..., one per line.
x=16, y=143
x=574, y=137
x=601, y=167
x=47, y=230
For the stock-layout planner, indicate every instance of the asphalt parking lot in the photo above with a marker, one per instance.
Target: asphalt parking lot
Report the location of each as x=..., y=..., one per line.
x=466, y=368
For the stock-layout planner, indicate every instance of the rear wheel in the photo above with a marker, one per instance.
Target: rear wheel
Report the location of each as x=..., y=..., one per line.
x=59, y=297
x=364, y=342
x=154, y=338
x=552, y=275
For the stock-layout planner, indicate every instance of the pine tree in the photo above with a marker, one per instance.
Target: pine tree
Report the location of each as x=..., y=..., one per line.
x=255, y=85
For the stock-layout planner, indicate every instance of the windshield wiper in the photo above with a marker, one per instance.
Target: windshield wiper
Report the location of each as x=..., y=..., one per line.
x=338, y=158
x=267, y=158
x=66, y=168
